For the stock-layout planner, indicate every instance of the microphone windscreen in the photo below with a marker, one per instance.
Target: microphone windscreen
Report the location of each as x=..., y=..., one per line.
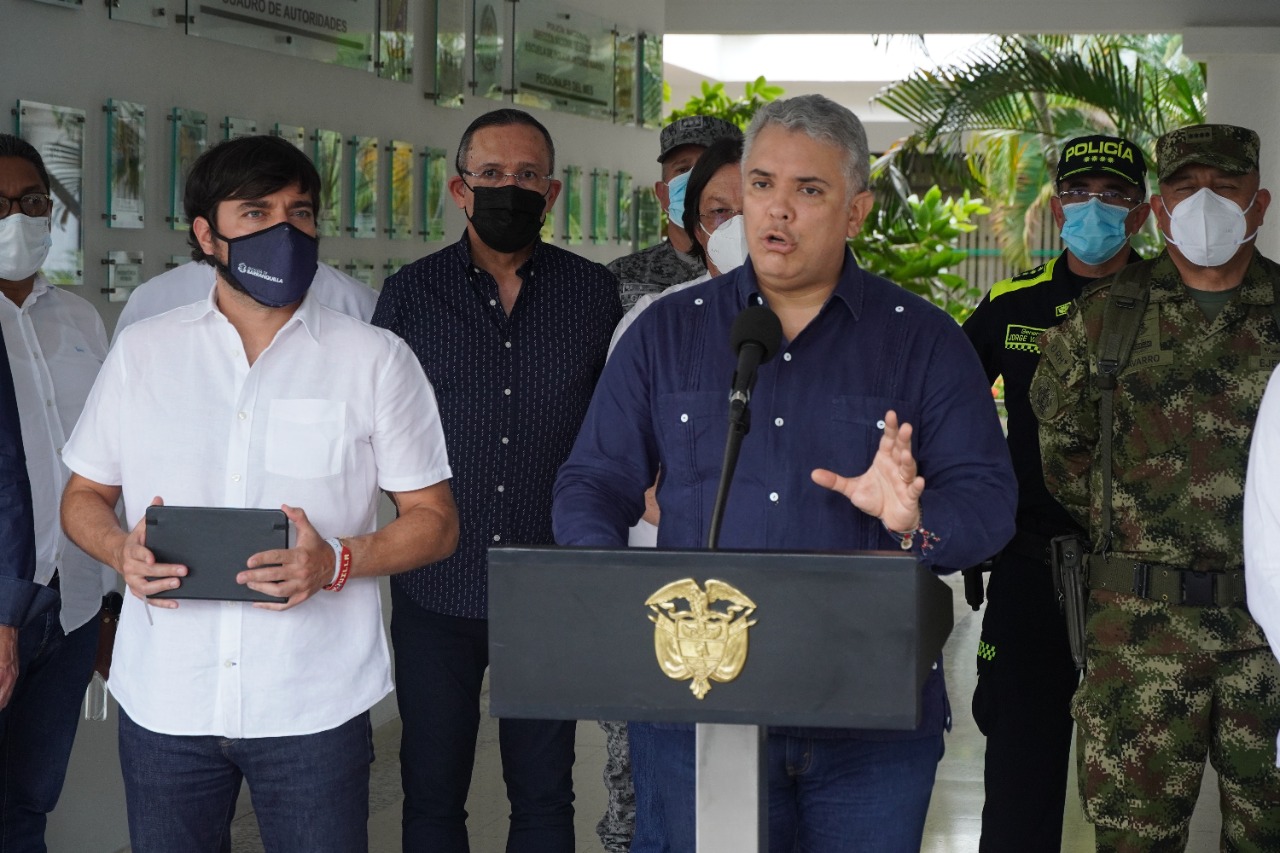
x=757, y=324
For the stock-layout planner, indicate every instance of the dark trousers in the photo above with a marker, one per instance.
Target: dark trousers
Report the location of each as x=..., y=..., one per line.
x=1023, y=705
x=440, y=664
x=38, y=726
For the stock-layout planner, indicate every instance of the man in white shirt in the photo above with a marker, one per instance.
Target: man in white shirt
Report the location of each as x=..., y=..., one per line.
x=261, y=397
x=1262, y=522
x=55, y=344
x=192, y=282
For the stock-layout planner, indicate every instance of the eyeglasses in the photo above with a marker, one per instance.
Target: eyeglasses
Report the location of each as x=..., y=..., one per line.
x=526, y=178
x=718, y=216
x=32, y=204
x=1106, y=197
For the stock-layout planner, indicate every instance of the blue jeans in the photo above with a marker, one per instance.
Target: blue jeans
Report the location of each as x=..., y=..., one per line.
x=440, y=664
x=310, y=792
x=826, y=795
x=38, y=726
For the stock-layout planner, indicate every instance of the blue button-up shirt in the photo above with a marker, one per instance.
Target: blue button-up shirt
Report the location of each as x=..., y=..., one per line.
x=820, y=403
x=512, y=391
x=17, y=524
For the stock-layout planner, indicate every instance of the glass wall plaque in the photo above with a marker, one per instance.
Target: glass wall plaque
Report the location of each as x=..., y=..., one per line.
x=328, y=159
x=563, y=59
x=339, y=32
x=361, y=271
x=72, y=3
x=124, y=273
x=187, y=141
x=393, y=266
x=58, y=134
x=624, y=78
x=395, y=41
x=451, y=52
x=126, y=162
x=364, y=186
x=548, y=232
x=234, y=128
x=292, y=133
x=488, y=46
x=149, y=13
x=599, y=206
x=176, y=261
x=624, y=222
x=400, y=195
x=650, y=70
x=572, y=204
x=649, y=214
x=333, y=262
x=435, y=193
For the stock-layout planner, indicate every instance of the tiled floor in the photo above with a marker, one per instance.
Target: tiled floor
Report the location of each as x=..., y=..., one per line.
x=952, y=826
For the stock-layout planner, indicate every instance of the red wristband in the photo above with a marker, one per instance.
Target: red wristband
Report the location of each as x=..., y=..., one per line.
x=344, y=567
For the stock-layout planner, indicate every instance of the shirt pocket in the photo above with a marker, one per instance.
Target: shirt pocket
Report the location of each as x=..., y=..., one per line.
x=859, y=424
x=692, y=427
x=305, y=438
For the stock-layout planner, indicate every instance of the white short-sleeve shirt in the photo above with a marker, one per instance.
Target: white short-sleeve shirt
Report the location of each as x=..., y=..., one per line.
x=331, y=412
x=1262, y=521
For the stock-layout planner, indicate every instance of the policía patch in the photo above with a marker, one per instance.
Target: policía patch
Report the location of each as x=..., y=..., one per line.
x=1046, y=401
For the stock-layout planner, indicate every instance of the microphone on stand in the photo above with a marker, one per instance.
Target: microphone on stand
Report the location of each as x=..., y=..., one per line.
x=755, y=338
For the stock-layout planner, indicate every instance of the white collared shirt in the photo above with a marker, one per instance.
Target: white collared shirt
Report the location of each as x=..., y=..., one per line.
x=1262, y=521
x=331, y=412
x=56, y=343
x=191, y=283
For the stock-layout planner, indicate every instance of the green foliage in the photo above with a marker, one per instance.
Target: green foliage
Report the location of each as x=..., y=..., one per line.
x=917, y=253
x=715, y=102
x=1000, y=114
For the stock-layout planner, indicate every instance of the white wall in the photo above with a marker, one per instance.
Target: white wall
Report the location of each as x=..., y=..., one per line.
x=79, y=57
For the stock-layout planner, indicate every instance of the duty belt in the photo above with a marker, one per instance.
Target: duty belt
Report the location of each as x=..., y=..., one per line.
x=1169, y=584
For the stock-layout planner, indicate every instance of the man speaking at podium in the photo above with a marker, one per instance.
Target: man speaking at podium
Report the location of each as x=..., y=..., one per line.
x=874, y=430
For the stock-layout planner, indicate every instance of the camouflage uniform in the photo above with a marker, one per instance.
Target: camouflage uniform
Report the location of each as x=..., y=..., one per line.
x=652, y=270
x=1167, y=684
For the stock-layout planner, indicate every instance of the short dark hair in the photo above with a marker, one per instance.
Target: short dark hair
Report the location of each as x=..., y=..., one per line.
x=14, y=146
x=246, y=168
x=501, y=118
x=725, y=151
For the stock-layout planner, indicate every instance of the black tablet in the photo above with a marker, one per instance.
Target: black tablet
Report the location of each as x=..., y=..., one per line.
x=214, y=544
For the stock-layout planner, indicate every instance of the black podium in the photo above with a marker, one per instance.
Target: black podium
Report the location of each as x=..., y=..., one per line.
x=826, y=639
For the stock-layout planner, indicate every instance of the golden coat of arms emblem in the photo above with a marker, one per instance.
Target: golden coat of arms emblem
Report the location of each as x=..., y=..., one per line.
x=706, y=640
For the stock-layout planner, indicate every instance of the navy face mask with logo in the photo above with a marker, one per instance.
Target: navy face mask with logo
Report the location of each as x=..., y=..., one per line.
x=275, y=266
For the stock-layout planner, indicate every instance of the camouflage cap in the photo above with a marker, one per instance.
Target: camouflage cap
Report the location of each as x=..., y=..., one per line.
x=695, y=130
x=1224, y=146
x=1106, y=154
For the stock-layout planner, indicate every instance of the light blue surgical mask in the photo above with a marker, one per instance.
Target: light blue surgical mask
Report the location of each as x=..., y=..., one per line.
x=1094, y=231
x=675, y=194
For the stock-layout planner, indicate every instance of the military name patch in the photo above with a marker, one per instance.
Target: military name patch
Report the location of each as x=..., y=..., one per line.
x=1058, y=354
x=1022, y=338
x=1265, y=362
x=1142, y=361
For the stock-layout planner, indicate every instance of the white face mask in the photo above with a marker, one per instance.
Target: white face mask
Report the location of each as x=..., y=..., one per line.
x=727, y=247
x=24, y=244
x=1207, y=228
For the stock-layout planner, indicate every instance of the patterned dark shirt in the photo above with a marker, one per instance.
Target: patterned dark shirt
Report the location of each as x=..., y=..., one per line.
x=512, y=391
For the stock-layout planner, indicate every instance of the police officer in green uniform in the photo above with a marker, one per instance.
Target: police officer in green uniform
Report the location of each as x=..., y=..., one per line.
x=1147, y=395
x=1025, y=672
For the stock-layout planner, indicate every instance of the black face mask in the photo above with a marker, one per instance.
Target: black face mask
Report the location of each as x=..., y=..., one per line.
x=507, y=219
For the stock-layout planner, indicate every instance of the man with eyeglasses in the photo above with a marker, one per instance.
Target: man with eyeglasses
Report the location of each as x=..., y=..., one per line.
x=1025, y=672
x=1146, y=445
x=55, y=343
x=513, y=333
x=671, y=261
